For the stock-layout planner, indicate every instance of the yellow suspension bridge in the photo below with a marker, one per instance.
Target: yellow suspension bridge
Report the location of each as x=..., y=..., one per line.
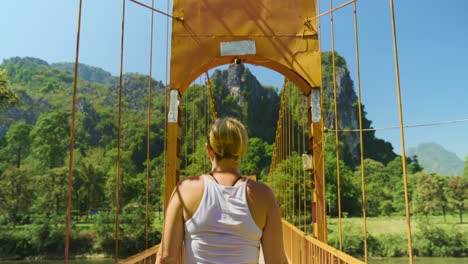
x=280, y=35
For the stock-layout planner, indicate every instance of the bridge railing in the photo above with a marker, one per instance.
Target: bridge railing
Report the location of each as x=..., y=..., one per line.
x=301, y=248
x=146, y=257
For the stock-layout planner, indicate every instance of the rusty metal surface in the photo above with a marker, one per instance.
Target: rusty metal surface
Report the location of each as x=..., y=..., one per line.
x=285, y=38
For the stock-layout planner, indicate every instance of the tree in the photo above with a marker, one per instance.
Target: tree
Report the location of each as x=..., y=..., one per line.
x=52, y=187
x=18, y=141
x=88, y=186
x=441, y=201
x=413, y=165
x=50, y=138
x=16, y=194
x=429, y=194
x=349, y=190
x=7, y=95
x=458, y=194
x=377, y=187
x=132, y=184
x=258, y=157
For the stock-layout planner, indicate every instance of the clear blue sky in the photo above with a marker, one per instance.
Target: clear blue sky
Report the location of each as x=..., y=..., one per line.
x=432, y=42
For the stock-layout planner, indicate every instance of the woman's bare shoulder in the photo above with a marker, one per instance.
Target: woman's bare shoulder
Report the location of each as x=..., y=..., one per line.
x=190, y=192
x=258, y=186
x=261, y=202
x=191, y=182
x=260, y=191
x=190, y=188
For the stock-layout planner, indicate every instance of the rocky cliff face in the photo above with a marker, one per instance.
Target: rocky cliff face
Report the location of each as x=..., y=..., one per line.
x=238, y=93
x=348, y=115
x=237, y=85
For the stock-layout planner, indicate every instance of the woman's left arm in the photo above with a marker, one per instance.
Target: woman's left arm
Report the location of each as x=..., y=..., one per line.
x=173, y=231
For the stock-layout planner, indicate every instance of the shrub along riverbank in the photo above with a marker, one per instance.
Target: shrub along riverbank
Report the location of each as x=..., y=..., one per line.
x=45, y=239
x=387, y=237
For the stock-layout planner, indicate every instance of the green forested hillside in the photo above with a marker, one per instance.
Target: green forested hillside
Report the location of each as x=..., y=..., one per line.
x=34, y=154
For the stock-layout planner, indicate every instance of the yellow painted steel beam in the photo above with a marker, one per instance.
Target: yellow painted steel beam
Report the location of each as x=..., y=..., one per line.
x=172, y=167
x=316, y=144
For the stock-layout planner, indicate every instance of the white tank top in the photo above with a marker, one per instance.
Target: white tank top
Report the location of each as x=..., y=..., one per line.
x=222, y=229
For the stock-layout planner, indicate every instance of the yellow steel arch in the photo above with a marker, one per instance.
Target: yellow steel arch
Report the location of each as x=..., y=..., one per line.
x=276, y=34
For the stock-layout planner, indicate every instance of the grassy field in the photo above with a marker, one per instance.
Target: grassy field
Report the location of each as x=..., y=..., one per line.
x=397, y=224
x=87, y=223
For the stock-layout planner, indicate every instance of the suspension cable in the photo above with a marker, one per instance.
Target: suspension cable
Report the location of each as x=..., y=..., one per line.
x=288, y=145
x=402, y=132
x=205, y=118
x=288, y=154
x=298, y=154
x=337, y=140
x=186, y=136
x=278, y=138
x=283, y=158
x=298, y=160
x=295, y=145
x=291, y=149
x=166, y=92
x=331, y=10
x=167, y=88
x=158, y=11
x=193, y=126
x=312, y=185
x=405, y=126
x=213, y=102
x=72, y=138
x=319, y=33
x=148, y=132
x=304, y=113
x=324, y=136
x=361, y=141
x=200, y=115
x=119, y=139
x=282, y=141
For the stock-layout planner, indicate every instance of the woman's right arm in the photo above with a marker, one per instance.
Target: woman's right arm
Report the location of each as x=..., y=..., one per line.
x=171, y=244
x=272, y=238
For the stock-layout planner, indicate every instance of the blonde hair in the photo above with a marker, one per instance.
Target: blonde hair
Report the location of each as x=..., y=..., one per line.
x=228, y=139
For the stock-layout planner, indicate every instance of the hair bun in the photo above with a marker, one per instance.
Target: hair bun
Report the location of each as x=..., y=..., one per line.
x=228, y=139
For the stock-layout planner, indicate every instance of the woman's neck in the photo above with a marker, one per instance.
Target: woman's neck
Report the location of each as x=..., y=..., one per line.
x=226, y=165
x=228, y=168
